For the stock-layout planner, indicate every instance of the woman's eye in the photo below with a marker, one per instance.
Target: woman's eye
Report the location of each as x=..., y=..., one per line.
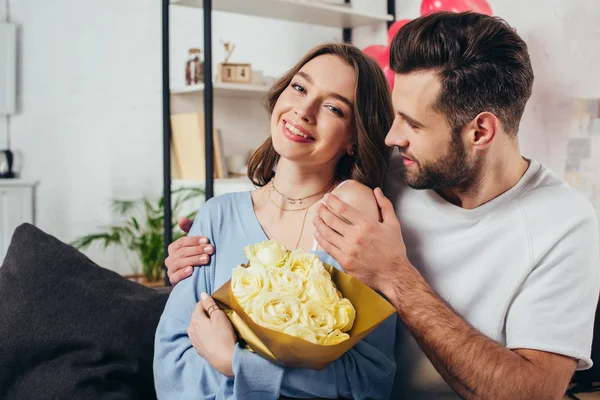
x=298, y=88
x=336, y=110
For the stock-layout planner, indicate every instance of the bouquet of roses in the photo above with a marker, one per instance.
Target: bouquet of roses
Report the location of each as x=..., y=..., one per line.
x=291, y=308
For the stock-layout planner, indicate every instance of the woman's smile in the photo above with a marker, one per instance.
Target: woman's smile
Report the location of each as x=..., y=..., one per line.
x=296, y=133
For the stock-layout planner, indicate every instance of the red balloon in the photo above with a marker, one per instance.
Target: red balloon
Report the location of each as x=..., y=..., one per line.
x=394, y=28
x=478, y=6
x=390, y=75
x=379, y=52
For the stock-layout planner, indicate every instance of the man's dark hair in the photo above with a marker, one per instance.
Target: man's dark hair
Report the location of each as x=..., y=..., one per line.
x=482, y=63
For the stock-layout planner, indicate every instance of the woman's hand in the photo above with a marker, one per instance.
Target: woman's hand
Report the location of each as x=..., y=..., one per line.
x=186, y=252
x=212, y=335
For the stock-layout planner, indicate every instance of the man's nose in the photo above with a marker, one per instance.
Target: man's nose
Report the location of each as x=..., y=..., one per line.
x=396, y=137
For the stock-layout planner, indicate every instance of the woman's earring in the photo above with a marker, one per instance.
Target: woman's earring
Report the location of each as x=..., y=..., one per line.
x=351, y=152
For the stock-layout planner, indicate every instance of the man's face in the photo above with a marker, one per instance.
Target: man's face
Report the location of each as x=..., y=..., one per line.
x=433, y=157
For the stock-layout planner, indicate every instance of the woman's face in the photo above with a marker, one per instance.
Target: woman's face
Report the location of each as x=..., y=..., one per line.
x=312, y=122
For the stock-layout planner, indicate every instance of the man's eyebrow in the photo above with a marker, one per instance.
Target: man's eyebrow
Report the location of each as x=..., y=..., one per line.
x=332, y=94
x=410, y=120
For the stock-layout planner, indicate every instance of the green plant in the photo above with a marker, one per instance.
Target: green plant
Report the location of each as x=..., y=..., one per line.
x=142, y=236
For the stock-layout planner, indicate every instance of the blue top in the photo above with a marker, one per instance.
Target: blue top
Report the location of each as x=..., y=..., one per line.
x=229, y=221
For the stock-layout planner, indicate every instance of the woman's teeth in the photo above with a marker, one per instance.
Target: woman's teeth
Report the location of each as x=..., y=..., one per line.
x=296, y=131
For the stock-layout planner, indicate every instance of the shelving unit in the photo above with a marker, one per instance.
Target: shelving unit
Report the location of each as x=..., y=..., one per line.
x=304, y=11
x=225, y=90
x=221, y=186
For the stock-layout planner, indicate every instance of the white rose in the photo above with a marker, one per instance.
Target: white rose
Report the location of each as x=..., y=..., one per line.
x=334, y=337
x=344, y=313
x=302, y=332
x=269, y=253
x=284, y=281
x=301, y=263
x=319, y=286
x=246, y=283
x=317, y=317
x=275, y=311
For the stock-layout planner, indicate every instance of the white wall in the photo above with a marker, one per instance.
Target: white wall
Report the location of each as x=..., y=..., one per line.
x=90, y=91
x=562, y=36
x=3, y=119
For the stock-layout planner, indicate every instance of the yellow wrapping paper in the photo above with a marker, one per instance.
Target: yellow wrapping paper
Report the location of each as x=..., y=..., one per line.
x=291, y=351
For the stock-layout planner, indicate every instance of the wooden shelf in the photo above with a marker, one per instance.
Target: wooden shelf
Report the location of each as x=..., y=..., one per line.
x=303, y=11
x=225, y=90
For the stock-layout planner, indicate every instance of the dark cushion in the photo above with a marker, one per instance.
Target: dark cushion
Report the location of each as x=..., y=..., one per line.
x=70, y=329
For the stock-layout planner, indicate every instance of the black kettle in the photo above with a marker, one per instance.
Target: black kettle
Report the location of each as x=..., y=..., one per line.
x=6, y=164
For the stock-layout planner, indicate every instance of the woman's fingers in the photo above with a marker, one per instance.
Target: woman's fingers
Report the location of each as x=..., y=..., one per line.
x=213, y=311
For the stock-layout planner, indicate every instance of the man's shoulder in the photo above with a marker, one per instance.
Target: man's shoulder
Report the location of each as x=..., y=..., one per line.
x=549, y=197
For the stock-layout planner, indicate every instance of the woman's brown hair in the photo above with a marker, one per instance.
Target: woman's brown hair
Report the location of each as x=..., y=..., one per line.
x=373, y=115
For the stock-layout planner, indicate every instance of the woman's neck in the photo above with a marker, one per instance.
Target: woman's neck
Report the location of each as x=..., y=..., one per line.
x=274, y=210
x=295, y=181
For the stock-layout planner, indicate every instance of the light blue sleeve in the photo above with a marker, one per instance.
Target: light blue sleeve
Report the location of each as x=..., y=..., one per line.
x=364, y=372
x=179, y=371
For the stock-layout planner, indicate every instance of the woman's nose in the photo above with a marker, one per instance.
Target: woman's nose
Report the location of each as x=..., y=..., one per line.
x=306, y=113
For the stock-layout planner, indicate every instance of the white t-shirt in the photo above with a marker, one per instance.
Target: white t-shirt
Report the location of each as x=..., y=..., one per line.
x=523, y=269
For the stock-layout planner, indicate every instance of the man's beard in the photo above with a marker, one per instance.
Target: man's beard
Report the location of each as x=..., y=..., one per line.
x=450, y=170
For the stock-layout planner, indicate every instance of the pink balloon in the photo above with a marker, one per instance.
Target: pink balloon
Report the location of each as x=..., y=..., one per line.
x=390, y=75
x=479, y=6
x=394, y=28
x=379, y=52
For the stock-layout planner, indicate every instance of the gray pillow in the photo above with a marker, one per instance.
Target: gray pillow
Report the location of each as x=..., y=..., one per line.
x=70, y=329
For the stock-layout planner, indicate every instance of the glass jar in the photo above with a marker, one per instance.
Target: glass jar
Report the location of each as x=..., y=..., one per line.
x=194, y=68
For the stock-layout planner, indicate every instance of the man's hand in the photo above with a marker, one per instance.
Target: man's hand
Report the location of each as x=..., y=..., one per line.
x=372, y=251
x=474, y=365
x=186, y=252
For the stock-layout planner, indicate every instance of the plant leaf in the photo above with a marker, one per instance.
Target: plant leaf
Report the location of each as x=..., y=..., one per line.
x=124, y=207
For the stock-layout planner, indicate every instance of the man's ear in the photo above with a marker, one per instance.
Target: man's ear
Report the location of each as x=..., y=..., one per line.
x=483, y=129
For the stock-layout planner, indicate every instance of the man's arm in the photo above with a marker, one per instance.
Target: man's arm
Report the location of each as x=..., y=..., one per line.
x=474, y=365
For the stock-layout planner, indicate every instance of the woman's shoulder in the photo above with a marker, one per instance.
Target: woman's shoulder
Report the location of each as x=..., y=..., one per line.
x=358, y=196
x=227, y=203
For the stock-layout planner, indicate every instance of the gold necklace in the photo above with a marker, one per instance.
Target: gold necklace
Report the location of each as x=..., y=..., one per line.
x=303, y=217
x=285, y=209
x=305, y=209
x=292, y=200
x=301, y=229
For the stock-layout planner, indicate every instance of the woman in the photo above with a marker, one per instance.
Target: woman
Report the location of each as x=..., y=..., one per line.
x=329, y=117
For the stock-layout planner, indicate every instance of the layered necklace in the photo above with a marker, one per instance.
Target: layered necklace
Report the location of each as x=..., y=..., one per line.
x=292, y=201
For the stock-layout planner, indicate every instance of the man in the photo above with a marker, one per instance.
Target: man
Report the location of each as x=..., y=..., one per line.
x=490, y=260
